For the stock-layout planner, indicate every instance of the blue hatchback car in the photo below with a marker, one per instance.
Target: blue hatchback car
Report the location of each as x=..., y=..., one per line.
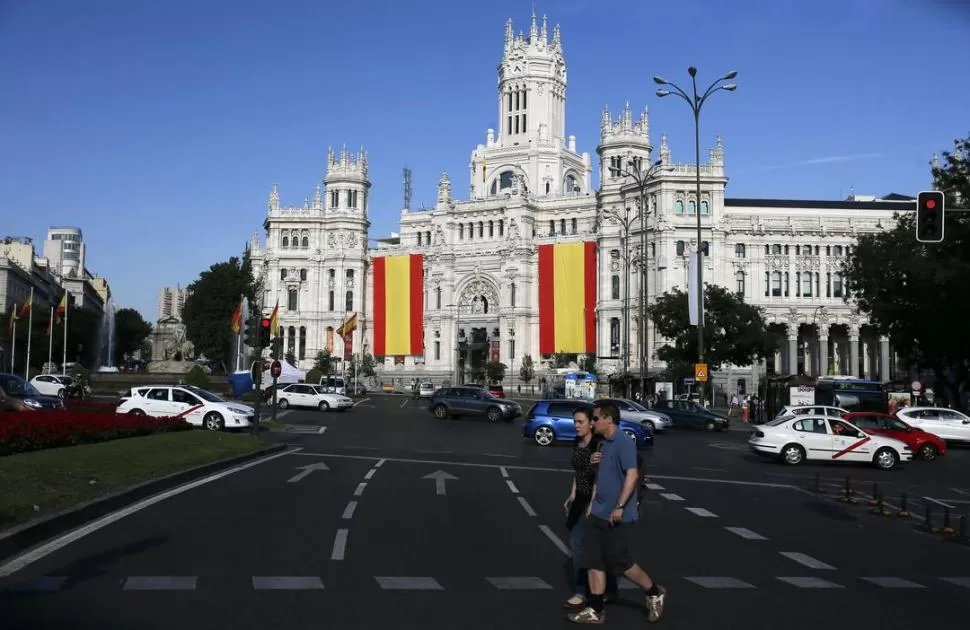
x=551, y=421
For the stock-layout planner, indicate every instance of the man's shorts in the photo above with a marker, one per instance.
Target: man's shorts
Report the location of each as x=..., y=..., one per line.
x=606, y=547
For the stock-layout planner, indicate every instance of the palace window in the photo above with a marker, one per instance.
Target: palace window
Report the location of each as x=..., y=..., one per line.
x=302, y=353
x=739, y=283
x=574, y=227
x=562, y=226
x=349, y=301
x=461, y=231
x=350, y=274
x=419, y=239
x=285, y=241
x=691, y=208
x=511, y=349
x=351, y=198
x=437, y=351
x=705, y=248
x=776, y=284
x=282, y=274
x=303, y=275
x=491, y=229
x=681, y=247
x=615, y=287
x=614, y=335
x=512, y=295
x=838, y=290
x=678, y=207
x=331, y=273
x=330, y=301
x=305, y=243
x=501, y=227
x=292, y=300
x=334, y=198
x=291, y=340
x=437, y=298
x=552, y=228
x=739, y=251
x=570, y=187
x=481, y=229
x=705, y=208
x=776, y=250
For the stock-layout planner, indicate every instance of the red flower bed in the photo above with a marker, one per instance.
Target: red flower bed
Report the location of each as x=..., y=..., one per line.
x=36, y=430
x=90, y=406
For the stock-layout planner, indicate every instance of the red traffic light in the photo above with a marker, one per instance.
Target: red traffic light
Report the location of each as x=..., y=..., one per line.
x=264, y=322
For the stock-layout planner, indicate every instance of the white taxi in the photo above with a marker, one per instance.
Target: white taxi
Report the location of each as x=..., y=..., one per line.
x=306, y=395
x=818, y=438
x=196, y=406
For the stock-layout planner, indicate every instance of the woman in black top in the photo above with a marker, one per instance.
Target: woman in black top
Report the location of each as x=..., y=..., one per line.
x=580, y=495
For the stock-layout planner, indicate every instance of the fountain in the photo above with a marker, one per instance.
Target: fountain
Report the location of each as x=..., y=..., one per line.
x=240, y=343
x=106, y=340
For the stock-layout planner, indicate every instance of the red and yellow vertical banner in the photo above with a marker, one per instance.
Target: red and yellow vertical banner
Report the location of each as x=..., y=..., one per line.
x=567, y=298
x=399, y=305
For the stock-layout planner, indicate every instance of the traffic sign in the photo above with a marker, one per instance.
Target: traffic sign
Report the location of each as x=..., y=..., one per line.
x=700, y=372
x=688, y=381
x=276, y=369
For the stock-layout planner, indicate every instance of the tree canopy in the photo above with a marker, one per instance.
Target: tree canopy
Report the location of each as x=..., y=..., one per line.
x=915, y=293
x=131, y=330
x=207, y=313
x=734, y=332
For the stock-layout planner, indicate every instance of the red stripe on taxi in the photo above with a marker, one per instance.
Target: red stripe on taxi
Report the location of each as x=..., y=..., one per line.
x=851, y=447
x=189, y=410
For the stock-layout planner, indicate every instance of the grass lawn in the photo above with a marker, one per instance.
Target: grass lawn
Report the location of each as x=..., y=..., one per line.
x=58, y=478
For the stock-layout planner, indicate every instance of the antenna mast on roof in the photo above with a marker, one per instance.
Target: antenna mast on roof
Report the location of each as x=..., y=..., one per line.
x=407, y=188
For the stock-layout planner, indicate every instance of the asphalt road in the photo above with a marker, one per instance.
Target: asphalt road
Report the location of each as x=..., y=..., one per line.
x=390, y=518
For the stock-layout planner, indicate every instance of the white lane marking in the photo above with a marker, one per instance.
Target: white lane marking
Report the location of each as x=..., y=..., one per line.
x=349, y=510
x=370, y=473
x=938, y=502
x=719, y=582
x=699, y=511
x=408, y=584
x=499, y=455
x=360, y=489
x=892, y=582
x=511, y=486
x=525, y=506
x=654, y=486
x=958, y=581
x=283, y=414
x=435, y=452
x=361, y=402
x=286, y=583
x=161, y=583
x=379, y=463
x=405, y=403
x=810, y=582
x=745, y=533
x=672, y=497
x=505, y=473
x=708, y=469
x=321, y=430
x=34, y=555
x=959, y=491
x=519, y=583
x=806, y=561
x=560, y=545
x=339, y=544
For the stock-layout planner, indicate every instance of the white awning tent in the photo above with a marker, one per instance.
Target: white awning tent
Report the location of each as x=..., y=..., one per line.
x=289, y=374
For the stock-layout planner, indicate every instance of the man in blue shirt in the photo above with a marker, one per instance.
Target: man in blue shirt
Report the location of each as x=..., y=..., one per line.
x=611, y=520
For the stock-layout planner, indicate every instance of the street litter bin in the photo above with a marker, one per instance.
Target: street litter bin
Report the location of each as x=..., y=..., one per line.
x=241, y=382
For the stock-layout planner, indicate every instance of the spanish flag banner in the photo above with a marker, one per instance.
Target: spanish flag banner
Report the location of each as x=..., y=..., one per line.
x=567, y=298
x=399, y=305
x=237, y=318
x=61, y=308
x=274, y=321
x=27, y=307
x=348, y=326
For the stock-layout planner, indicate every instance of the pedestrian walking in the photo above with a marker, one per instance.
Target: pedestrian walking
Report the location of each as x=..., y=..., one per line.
x=576, y=505
x=610, y=523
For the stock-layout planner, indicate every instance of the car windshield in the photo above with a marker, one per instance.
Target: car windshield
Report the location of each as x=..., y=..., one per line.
x=637, y=406
x=206, y=395
x=898, y=425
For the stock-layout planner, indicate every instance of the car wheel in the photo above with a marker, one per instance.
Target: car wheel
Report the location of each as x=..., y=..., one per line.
x=545, y=436
x=494, y=413
x=886, y=458
x=793, y=454
x=62, y=393
x=323, y=406
x=653, y=427
x=928, y=452
x=282, y=403
x=213, y=421
x=440, y=412
x=137, y=412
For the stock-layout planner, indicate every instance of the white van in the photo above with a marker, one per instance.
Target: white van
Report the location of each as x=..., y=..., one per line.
x=334, y=385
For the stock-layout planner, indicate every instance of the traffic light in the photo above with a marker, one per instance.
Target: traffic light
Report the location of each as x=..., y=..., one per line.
x=929, y=216
x=251, y=332
x=265, y=332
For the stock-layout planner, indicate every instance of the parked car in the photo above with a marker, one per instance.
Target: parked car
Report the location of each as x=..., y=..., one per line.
x=550, y=421
x=924, y=444
x=635, y=412
x=949, y=424
x=687, y=414
x=456, y=402
x=316, y=396
x=52, y=384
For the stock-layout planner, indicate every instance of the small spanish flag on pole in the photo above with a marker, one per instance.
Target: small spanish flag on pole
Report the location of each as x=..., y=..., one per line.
x=274, y=321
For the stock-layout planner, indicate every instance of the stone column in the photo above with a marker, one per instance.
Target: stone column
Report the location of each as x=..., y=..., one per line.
x=792, y=350
x=854, y=351
x=823, y=350
x=884, y=371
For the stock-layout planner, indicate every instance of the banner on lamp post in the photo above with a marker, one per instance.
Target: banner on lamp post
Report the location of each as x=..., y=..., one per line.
x=693, y=304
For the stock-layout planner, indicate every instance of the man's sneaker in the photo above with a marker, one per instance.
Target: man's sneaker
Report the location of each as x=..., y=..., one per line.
x=656, y=604
x=587, y=615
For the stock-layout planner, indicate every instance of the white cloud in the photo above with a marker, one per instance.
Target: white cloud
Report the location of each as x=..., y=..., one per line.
x=832, y=159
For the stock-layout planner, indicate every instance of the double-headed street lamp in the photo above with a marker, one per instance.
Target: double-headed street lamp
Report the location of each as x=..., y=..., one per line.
x=642, y=179
x=457, y=308
x=625, y=219
x=696, y=102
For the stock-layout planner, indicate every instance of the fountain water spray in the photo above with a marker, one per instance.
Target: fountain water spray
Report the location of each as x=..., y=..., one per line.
x=240, y=345
x=106, y=339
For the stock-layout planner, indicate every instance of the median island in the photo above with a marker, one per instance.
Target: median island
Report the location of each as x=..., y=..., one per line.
x=37, y=482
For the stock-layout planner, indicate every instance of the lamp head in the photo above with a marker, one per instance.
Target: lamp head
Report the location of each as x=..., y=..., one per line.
x=692, y=71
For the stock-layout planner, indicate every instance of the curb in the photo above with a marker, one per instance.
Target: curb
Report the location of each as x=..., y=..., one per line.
x=21, y=538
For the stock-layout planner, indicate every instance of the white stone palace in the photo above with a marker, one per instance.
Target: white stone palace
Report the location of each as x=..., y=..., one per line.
x=530, y=185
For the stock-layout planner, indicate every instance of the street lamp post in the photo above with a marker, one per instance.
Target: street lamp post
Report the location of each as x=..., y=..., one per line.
x=696, y=102
x=625, y=220
x=457, y=342
x=643, y=179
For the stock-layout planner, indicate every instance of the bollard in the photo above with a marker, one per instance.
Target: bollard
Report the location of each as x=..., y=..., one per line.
x=947, y=528
x=903, y=507
x=873, y=499
x=882, y=507
x=927, y=525
x=847, y=492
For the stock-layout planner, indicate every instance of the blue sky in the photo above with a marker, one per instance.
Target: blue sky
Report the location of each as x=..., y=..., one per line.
x=160, y=127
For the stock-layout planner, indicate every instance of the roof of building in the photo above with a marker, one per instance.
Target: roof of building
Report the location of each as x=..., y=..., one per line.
x=893, y=201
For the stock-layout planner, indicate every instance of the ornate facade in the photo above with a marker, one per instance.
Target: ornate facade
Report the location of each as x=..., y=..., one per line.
x=529, y=185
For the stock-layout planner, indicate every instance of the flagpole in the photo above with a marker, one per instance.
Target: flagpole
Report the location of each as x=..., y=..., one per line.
x=64, y=349
x=30, y=334
x=50, y=342
x=13, y=339
x=239, y=351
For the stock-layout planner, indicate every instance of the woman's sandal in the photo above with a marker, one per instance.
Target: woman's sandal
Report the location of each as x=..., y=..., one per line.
x=571, y=605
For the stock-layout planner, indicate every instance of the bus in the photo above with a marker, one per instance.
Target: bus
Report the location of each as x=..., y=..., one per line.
x=848, y=392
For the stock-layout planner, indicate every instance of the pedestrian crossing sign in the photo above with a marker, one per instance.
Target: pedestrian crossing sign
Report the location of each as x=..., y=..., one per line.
x=700, y=372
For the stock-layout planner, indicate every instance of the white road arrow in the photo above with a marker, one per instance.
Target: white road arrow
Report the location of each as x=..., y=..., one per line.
x=440, y=477
x=307, y=470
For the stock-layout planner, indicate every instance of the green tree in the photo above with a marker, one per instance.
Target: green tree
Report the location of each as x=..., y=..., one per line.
x=131, y=331
x=324, y=363
x=83, y=329
x=527, y=370
x=366, y=368
x=208, y=309
x=915, y=293
x=734, y=332
x=588, y=363
x=495, y=371
x=562, y=359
